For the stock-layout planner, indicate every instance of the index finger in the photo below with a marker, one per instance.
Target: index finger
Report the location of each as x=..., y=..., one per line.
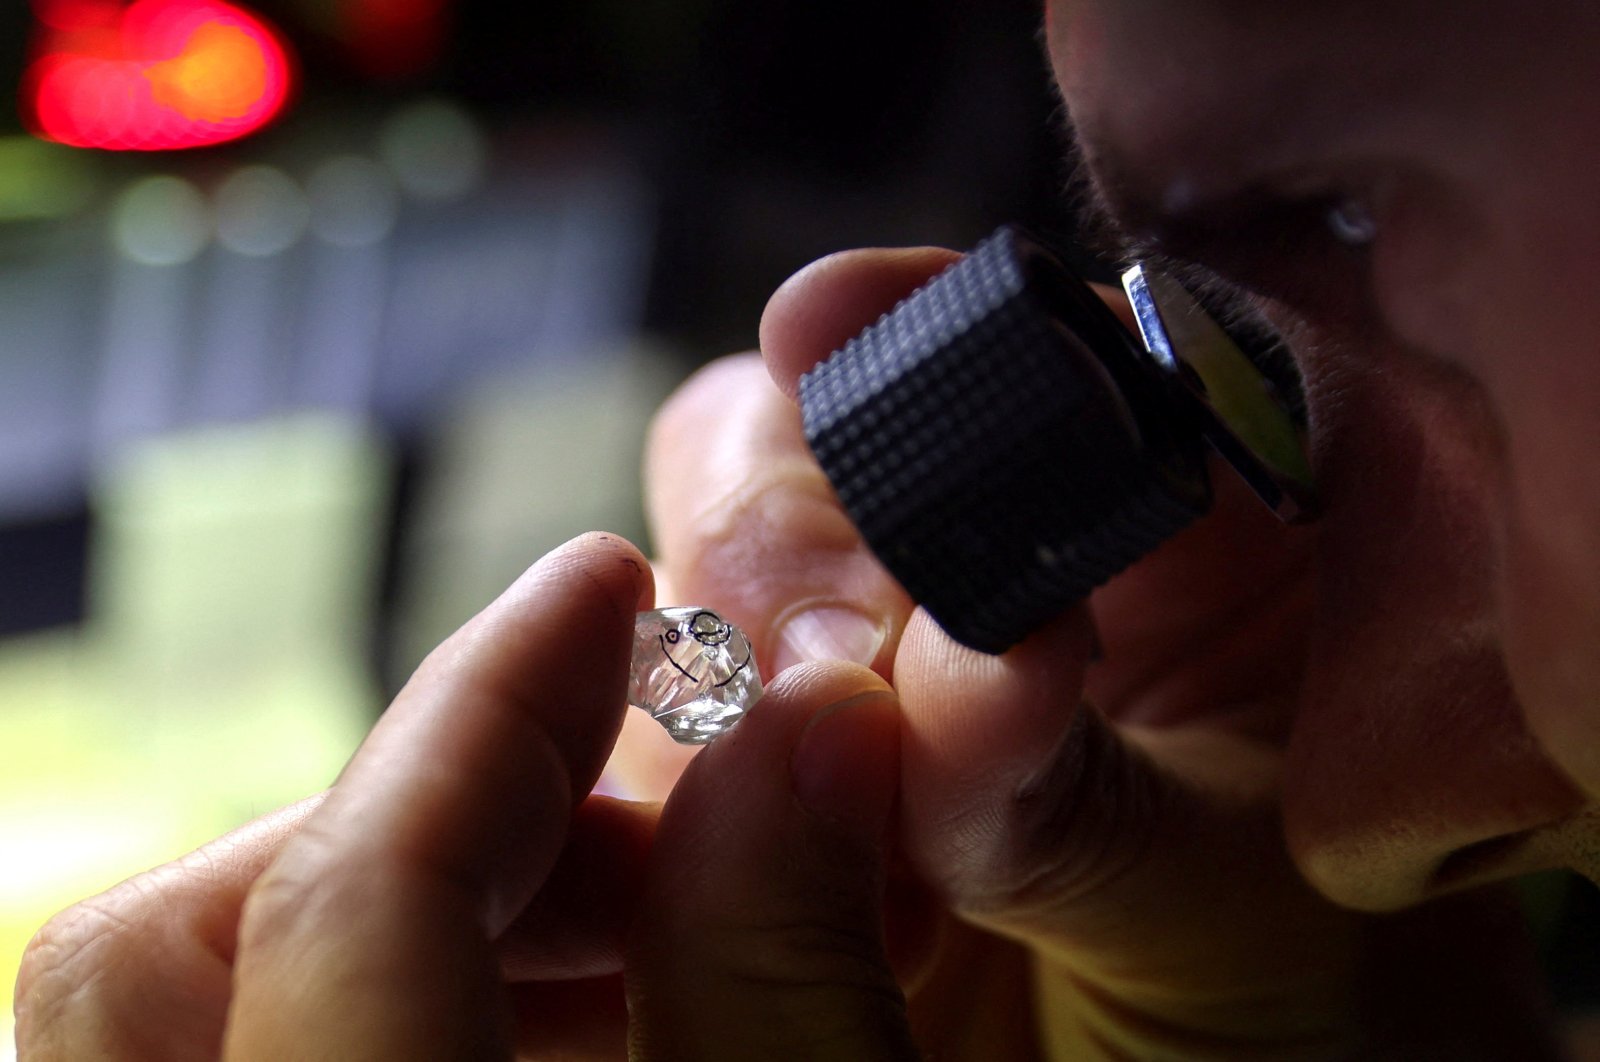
x=745, y=519
x=818, y=310
x=371, y=934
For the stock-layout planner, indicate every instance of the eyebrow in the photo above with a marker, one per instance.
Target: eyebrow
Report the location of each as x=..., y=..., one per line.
x=1103, y=231
x=1098, y=225
x=1126, y=219
x=1123, y=214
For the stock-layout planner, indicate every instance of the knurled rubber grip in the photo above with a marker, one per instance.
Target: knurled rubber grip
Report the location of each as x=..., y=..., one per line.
x=1002, y=443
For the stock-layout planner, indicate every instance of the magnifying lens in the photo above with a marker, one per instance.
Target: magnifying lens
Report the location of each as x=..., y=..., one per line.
x=1005, y=445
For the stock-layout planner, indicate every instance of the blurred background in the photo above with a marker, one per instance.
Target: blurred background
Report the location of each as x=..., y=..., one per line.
x=321, y=319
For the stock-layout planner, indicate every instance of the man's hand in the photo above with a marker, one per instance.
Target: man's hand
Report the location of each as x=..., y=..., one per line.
x=1105, y=792
x=455, y=896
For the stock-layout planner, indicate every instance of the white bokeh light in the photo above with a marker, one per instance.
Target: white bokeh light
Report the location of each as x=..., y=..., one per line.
x=353, y=201
x=435, y=150
x=261, y=211
x=160, y=221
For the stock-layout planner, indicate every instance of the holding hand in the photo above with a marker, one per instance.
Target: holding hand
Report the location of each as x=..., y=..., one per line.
x=1107, y=793
x=454, y=896
x=1098, y=809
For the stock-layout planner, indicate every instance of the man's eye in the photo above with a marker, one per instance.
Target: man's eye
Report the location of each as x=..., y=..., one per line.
x=1352, y=223
x=1310, y=255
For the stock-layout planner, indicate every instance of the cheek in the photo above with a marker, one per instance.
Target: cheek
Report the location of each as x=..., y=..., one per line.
x=1533, y=342
x=1409, y=751
x=1550, y=584
x=1073, y=34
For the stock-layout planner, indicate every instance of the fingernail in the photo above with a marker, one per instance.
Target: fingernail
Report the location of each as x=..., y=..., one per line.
x=846, y=764
x=835, y=632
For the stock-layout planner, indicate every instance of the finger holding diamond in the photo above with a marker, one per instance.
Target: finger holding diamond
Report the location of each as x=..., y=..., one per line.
x=748, y=525
x=372, y=934
x=760, y=930
x=743, y=517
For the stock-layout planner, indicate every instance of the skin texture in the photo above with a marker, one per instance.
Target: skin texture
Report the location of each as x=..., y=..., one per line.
x=1177, y=823
x=1452, y=375
x=450, y=897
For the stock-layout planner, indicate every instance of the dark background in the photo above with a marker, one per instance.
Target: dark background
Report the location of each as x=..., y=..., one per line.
x=761, y=136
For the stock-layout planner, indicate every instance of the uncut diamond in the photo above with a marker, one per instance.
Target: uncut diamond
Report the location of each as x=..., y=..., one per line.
x=693, y=671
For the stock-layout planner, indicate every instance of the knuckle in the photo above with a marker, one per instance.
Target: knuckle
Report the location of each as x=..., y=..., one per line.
x=762, y=518
x=821, y=982
x=292, y=890
x=736, y=500
x=773, y=1014
x=1072, y=832
x=825, y=934
x=71, y=974
x=709, y=386
x=797, y=954
x=823, y=986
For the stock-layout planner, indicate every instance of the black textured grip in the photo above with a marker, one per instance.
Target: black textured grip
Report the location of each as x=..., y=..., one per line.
x=1001, y=443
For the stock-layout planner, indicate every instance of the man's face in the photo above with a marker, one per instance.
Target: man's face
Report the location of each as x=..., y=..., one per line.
x=1453, y=374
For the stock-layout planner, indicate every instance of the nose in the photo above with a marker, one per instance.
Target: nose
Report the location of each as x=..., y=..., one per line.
x=1410, y=770
x=1411, y=775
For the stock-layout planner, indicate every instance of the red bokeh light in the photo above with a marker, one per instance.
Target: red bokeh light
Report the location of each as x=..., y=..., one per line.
x=155, y=75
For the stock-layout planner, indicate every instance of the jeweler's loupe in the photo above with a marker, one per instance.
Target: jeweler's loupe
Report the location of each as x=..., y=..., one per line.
x=1005, y=445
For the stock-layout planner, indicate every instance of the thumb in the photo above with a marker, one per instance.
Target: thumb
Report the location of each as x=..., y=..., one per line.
x=1116, y=851
x=761, y=926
